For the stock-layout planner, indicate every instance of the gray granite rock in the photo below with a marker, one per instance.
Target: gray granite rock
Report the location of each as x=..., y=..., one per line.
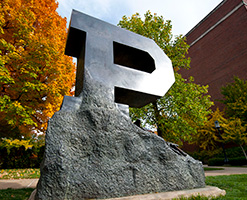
x=96, y=152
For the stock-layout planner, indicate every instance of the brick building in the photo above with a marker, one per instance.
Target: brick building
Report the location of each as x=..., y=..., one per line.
x=218, y=47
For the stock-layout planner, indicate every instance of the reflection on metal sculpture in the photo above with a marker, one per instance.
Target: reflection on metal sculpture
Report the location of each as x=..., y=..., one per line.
x=134, y=67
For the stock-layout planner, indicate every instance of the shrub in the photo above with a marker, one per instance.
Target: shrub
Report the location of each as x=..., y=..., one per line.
x=204, y=155
x=238, y=161
x=232, y=153
x=21, y=153
x=19, y=157
x=216, y=162
x=235, y=152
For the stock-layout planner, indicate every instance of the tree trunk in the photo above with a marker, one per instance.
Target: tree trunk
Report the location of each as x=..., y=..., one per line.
x=157, y=118
x=243, y=151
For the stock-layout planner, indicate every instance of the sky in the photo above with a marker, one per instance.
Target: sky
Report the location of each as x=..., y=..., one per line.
x=184, y=14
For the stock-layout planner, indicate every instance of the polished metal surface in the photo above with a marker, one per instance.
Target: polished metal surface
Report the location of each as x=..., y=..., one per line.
x=133, y=66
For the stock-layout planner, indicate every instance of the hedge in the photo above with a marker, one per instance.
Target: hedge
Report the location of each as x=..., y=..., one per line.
x=235, y=154
x=19, y=157
x=238, y=161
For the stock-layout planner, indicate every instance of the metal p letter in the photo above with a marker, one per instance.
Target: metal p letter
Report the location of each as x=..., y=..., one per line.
x=133, y=66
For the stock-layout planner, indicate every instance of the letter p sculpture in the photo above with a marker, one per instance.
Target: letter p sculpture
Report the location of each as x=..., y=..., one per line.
x=132, y=67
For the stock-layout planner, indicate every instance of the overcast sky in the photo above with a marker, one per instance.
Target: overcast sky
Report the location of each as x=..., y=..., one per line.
x=184, y=14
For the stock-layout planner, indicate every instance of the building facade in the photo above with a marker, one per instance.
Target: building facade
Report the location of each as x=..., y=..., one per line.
x=218, y=47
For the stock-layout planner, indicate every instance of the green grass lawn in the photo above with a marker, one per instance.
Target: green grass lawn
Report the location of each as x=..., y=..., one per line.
x=234, y=185
x=20, y=194
x=19, y=173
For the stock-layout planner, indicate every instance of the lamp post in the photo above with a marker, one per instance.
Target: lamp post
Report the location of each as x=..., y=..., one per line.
x=217, y=127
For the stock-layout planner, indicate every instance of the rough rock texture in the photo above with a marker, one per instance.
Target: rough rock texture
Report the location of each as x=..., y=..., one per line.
x=96, y=152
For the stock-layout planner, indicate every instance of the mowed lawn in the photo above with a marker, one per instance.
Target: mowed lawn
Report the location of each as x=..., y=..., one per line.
x=234, y=185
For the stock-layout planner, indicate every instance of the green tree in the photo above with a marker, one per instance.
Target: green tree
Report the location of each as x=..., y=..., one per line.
x=235, y=99
x=235, y=132
x=177, y=114
x=159, y=30
x=34, y=72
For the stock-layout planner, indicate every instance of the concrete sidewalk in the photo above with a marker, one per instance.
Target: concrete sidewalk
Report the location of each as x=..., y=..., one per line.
x=226, y=171
x=18, y=183
x=208, y=191
x=31, y=183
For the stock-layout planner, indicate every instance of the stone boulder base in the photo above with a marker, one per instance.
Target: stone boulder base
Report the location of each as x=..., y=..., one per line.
x=96, y=152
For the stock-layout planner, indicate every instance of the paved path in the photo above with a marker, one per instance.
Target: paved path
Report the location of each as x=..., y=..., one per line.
x=226, y=171
x=208, y=191
x=18, y=183
x=31, y=183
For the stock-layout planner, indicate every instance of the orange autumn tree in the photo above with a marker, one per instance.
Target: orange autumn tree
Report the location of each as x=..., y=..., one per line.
x=34, y=72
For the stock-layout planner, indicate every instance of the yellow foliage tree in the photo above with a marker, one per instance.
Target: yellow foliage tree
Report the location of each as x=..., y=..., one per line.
x=232, y=130
x=34, y=72
x=235, y=132
x=207, y=138
x=235, y=99
x=9, y=143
